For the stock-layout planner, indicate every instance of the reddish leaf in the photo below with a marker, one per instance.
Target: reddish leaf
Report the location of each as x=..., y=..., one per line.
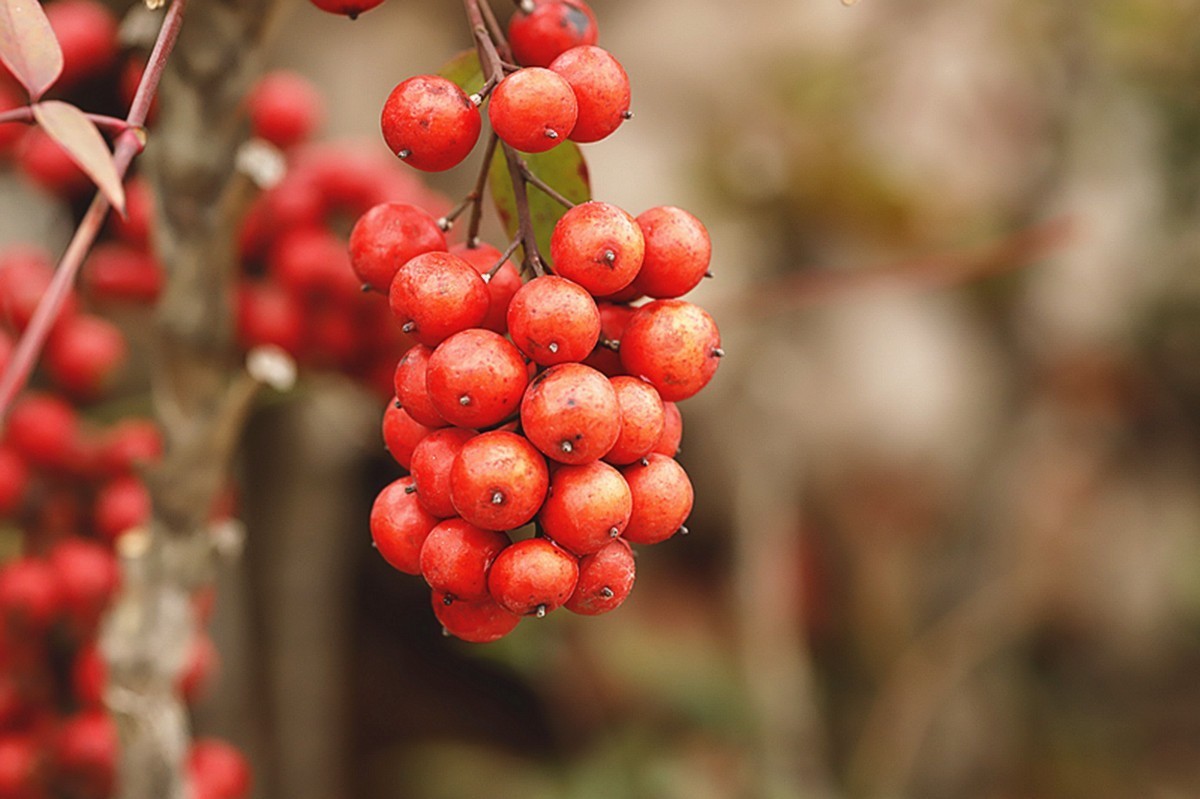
x=80, y=137
x=28, y=46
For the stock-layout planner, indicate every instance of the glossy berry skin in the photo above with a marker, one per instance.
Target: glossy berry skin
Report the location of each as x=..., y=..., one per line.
x=642, y=420
x=554, y=26
x=285, y=108
x=412, y=390
x=456, y=557
x=672, y=434
x=678, y=252
x=432, y=460
x=436, y=295
x=480, y=621
x=347, y=8
x=587, y=507
x=533, y=577
x=553, y=320
x=476, y=378
x=399, y=526
x=571, y=414
x=674, y=346
x=217, y=770
x=533, y=109
x=87, y=33
x=662, y=499
x=388, y=236
x=502, y=286
x=84, y=354
x=401, y=434
x=598, y=246
x=601, y=91
x=498, y=481
x=430, y=123
x=605, y=580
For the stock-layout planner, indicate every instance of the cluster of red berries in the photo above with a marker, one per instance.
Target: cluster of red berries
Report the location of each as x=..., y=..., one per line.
x=549, y=402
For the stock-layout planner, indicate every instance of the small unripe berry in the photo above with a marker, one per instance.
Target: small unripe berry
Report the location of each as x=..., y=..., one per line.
x=598, y=246
x=570, y=413
x=436, y=295
x=479, y=621
x=432, y=460
x=642, y=419
x=662, y=499
x=678, y=252
x=554, y=26
x=554, y=320
x=498, y=481
x=587, y=507
x=456, y=556
x=430, y=123
x=533, y=577
x=605, y=580
x=674, y=346
x=399, y=525
x=601, y=91
x=533, y=109
x=388, y=236
x=476, y=378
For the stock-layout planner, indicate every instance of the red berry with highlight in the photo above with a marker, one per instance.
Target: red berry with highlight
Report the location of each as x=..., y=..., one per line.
x=642, y=419
x=678, y=252
x=347, y=8
x=605, y=580
x=479, y=621
x=84, y=354
x=436, y=295
x=673, y=345
x=553, y=27
x=401, y=433
x=87, y=33
x=412, y=391
x=533, y=577
x=554, y=320
x=430, y=123
x=44, y=430
x=456, y=557
x=599, y=246
x=432, y=460
x=217, y=770
x=662, y=499
x=476, y=378
x=387, y=237
x=587, y=507
x=498, y=481
x=399, y=525
x=571, y=414
x=124, y=503
x=601, y=91
x=533, y=109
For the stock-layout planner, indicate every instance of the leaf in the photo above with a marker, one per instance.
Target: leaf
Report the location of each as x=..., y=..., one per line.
x=80, y=137
x=562, y=168
x=28, y=46
x=464, y=70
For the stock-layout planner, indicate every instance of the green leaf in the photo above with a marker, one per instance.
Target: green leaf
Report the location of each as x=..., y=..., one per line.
x=563, y=169
x=464, y=70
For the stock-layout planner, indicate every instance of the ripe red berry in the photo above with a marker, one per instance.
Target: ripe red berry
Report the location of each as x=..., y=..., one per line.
x=388, y=236
x=678, y=252
x=49, y=166
x=266, y=314
x=44, y=429
x=20, y=767
x=29, y=595
x=533, y=577
x=601, y=90
x=14, y=479
x=84, y=354
x=554, y=26
x=199, y=669
x=284, y=107
x=430, y=123
x=587, y=507
x=129, y=444
x=432, y=460
x=399, y=525
x=436, y=295
x=498, y=481
x=25, y=275
x=87, y=578
x=674, y=346
x=412, y=391
x=134, y=228
x=501, y=288
x=10, y=132
x=476, y=378
x=311, y=263
x=401, y=434
x=478, y=621
x=554, y=320
x=672, y=434
x=613, y=318
x=570, y=413
x=599, y=246
x=116, y=271
x=89, y=675
x=533, y=109
x=87, y=33
x=662, y=499
x=217, y=770
x=121, y=505
x=605, y=580
x=642, y=420
x=456, y=556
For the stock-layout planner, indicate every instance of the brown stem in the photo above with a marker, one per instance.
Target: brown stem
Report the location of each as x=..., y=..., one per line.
x=476, y=218
x=545, y=187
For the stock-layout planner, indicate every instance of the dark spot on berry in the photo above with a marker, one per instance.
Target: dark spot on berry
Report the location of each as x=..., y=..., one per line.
x=577, y=20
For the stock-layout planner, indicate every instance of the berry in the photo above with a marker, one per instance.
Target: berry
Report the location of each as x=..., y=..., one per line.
x=678, y=252
x=672, y=434
x=501, y=288
x=554, y=320
x=14, y=479
x=571, y=414
x=199, y=669
x=412, y=392
x=284, y=108
x=599, y=246
x=29, y=595
x=479, y=621
x=266, y=314
x=498, y=481
x=401, y=434
x=49, y=166
x=87, y=33
x=642, y=420
x=85, y=754
x=217, y=770
x=348, y=8
x=587, y=507
x=120, y=272
x=673, y=345
x=436, y=294
x=87, y=578
x=312, y=264
x=432, y=460
x=601, y=91
x=388, y=236
x=89, y=675
x=430, y=123
x=129, y=444
x=553, y=27
x=84, y=354
x=25, y=275
x=121, y=505
x=533, y=109
x=476, y=378
x=662, y=499
x=10, y=132
x=20, y=767
x=44, y=430
x=533, y=577
x=135, y=226
x=613, y=318
x=605, y=579
x=399, y=525
x=456, y=556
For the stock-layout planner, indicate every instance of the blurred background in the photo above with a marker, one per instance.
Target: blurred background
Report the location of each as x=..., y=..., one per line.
x=946, y=540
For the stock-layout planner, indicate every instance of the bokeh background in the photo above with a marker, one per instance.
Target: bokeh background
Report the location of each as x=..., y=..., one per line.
x=947, y=532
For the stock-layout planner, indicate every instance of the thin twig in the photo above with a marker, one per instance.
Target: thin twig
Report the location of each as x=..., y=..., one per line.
x=476, y=218
x=508, y=251
x=546, y=188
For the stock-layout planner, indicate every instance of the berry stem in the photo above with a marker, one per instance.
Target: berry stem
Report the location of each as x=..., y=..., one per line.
x=508, y=251
x=545, y=187
x=476, y=195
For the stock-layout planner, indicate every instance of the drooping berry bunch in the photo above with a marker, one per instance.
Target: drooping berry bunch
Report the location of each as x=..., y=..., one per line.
x=537, y=419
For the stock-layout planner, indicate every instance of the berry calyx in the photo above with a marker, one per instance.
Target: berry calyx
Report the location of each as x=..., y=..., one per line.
x=430, y=123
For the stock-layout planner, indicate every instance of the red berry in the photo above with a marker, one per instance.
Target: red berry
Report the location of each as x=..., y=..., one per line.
x=672, y=434
x=642, y=419
x=501, y=288
x=498, y=481
x=674, y=346
x=476, y=378
x=348, y=8
x=285, y=108
x=14, y=479
x=25, y=275
x=432, y=460
x=571, y=414
x=613, y=318
x=29, y=594
x=388, y=236
x=312, y=264
x=553, y=27
x=678, y=252
x=89, y=675
x=129, y=444
x=399, y=525
x=135, y=226
x=597, y=245
x=430, y=123
x=662, y=499
x=87, y=578
x=20, y=767
x=533, y=109
x=85, y=754
x=44, y=430
x=123, y=273
x=587, y=507
x=436, y=295
x=218, y=770
x=87, y=33
x=121, y=505
x=533, y=577
x=412, y=390
x=84, y=354
x=479, y=621
x=554, y=320
x=266, y=314
x=605, y=579
x=49, y=166
x=456, y=556
x=199, y=669
x=10, y=132
x=401, y=434
x=601, y=90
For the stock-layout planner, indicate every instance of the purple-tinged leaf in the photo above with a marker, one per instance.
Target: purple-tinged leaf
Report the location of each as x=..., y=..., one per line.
x=28, y=46
x=82, y=140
